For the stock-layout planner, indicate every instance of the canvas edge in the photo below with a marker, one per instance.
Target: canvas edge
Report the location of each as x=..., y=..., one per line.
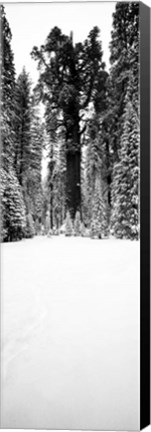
x=144, y=215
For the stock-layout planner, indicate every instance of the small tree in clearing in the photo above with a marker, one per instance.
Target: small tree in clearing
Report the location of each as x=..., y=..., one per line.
x=13, y=220
x=47, y=224
x=82, y=229
x=93, y=230
x=30, y=230
x=98, y=220
x=68, y=225
x=77, y=224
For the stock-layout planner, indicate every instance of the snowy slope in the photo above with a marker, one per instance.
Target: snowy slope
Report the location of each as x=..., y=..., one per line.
x=70, y=334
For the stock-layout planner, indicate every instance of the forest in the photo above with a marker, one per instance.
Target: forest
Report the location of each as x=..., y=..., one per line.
x=90, y=131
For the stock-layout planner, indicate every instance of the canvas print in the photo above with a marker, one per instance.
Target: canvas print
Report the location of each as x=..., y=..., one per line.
x=70, y=249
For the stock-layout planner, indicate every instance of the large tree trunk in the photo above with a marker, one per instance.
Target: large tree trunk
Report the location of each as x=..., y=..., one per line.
x=51, y=168
x=51, y=205
x=108, y=173
x=109, y=181
x=73, y=179
x=73, y=182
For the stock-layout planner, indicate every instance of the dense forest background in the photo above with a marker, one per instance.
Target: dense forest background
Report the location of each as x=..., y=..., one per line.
x=90, y=131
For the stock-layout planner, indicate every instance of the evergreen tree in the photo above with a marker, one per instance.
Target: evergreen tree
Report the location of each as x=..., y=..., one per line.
x=12, y=207
x=77, y=224
x=82, y=229
x=8, y=92
x=68, y=84
x=47, y=223
x=30, y=229
x=34, y=181
x=122, y=85
x=68, y=225
x=12, y=204
x=28, y=155
x=93, y=164
x=125, y=193
x=124, y=67
x=99, y=216
x=56, y=177
x=53, y=162
x=52, y=174
x=23, y=129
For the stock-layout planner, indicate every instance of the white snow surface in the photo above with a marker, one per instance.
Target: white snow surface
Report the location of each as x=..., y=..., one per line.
x=70, y=334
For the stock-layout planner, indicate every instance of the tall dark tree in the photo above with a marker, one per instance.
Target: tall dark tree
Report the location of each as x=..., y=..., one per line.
x=12, y=207
x=93, y=163
x=98, y=217
x=34, y=180
x=68, y=83
x=124, y=60
x=52, y=149
x=28, y=150
x=23, y=125
x=8, y=92
x=96, y=169
x=12, y=204
x=125, y=186
x=122, y=84
x=59, y=186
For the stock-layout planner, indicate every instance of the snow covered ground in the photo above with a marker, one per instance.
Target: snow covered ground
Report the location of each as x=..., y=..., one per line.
x=70, y=334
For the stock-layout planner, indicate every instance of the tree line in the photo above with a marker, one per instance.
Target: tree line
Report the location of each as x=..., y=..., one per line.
x=90, y=131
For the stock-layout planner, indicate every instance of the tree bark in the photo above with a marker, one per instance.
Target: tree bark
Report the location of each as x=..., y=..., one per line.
x=73, y=179
x=108, y=172
x=73, y=183
x=51, y=205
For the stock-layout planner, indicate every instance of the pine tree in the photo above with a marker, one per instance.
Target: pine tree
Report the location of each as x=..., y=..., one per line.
x=22, y=128
x=47, y=223
x=29, y=145
x=53, y=162
x=99, y=215
x=12, y=204
x=68, y=225
x=93, y=164
x=125, y=193
x=56, y=175
x=12, y=207
x=77, y=224
x=124, y=60
x=61, y=182
x=34, y=181
x=30, y=229
x=8, y=92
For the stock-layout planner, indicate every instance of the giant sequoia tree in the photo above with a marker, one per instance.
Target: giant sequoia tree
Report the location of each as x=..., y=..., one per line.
x=71, y=77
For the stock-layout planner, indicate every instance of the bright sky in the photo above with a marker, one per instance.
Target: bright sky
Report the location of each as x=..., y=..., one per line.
x=31, y=23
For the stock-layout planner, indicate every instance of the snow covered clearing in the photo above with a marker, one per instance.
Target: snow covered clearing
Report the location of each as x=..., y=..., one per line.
x=70, y=334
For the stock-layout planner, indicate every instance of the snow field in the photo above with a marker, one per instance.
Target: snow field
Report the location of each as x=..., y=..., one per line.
x=70, y=334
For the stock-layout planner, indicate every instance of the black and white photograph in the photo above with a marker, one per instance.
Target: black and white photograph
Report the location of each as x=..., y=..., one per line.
x=70, y=225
